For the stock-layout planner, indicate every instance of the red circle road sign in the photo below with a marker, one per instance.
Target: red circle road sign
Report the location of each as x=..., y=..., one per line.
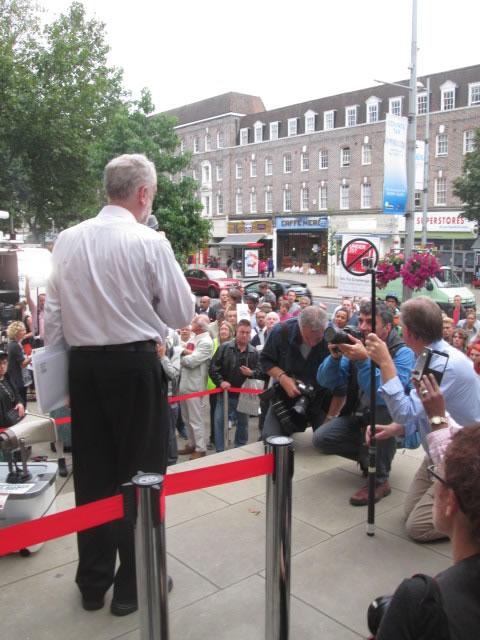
x=354, y=254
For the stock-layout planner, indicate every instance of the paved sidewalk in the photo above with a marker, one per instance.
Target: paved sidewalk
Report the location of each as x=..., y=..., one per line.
x=216, y=556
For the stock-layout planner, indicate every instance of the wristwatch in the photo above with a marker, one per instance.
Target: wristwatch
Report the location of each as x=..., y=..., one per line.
x=438, y=420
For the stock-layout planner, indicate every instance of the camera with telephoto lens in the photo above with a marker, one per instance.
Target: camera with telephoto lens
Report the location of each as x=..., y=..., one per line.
x=334, y=335
x=308, y=392
x=282, y=412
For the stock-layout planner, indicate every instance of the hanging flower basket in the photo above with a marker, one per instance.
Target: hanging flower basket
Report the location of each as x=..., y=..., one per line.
x=418, y=269
x=414, y=272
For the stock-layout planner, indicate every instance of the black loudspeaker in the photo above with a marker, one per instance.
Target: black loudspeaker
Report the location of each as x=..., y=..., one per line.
x=9, y=292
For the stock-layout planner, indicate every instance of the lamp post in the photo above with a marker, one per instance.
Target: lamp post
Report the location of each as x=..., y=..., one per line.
x=425, y=169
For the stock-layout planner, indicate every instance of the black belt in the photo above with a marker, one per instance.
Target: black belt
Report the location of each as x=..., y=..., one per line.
x=142, y=345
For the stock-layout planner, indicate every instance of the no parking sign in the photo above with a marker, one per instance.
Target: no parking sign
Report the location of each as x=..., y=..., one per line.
x=357, y=254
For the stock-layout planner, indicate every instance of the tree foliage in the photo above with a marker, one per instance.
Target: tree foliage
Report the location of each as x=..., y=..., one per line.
x=64, y=114
x=467, y=187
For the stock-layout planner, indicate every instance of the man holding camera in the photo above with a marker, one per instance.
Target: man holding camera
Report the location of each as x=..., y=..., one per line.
x=292, y=354
x=348, y=368
x=422, y=326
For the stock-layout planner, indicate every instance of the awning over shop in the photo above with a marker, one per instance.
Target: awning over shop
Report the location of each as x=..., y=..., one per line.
x=240, y=239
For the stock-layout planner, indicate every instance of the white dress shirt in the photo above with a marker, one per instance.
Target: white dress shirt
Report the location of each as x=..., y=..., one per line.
x=114, y=281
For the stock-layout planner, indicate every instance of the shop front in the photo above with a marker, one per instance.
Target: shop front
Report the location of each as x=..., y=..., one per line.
x=302, y=241
x=243, y=234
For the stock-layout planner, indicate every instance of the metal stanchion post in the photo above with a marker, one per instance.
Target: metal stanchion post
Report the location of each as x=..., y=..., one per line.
x=150, y=557
x=278, y=542
x=372, y=447
x=226, y=432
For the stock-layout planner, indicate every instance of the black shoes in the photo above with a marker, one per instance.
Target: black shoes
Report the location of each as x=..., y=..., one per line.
x=126, y=608
x=62, y=467
x=91, y=604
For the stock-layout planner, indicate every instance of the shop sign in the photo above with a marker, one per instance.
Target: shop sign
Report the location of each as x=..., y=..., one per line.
x=250, y=226
x=301, y=222
x=441, y=221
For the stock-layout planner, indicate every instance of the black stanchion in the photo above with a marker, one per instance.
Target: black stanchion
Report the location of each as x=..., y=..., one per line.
x=278, y=539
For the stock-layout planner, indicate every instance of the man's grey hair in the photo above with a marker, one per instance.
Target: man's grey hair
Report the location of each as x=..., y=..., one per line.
x=127, y=173
x=313, y=318
x=203, y=321
x=423, y=317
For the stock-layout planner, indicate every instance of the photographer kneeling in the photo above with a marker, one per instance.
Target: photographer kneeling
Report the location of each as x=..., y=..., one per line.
x=348, y=369
x=292, y=354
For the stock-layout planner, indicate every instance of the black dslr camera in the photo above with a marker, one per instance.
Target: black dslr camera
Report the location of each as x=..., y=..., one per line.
x=282, y=412
x=334, y=335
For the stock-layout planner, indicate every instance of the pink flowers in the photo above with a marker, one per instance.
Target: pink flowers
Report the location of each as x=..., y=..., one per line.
x=414, y=273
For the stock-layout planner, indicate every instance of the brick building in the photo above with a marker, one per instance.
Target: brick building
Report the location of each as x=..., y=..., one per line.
x=287, y=176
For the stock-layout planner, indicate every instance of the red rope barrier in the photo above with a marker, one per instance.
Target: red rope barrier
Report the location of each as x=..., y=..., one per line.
x=27, y=534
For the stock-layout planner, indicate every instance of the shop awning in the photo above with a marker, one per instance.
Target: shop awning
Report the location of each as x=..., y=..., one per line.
x=240, y=239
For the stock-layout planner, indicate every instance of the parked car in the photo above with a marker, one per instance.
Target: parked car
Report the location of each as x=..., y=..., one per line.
x=209, y=281
x=280, y=287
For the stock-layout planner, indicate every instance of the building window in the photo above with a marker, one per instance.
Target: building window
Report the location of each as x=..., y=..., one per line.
x=350, y=116
x=292, y=126
x=344, y=196
x=473, y=93
x=243, y=137
x=468, y=141
x=304, y=199
x=268, y=201
x=206, y=173
x=418, y=197
x=323, y=159
x=440, y=192
x=206, y=206
x=219, y=172
x=442, y=145
x=238, y=170
x=323, y=198
x=287, y=200
x=309, y=122
x=274, y=131
x=258, y=132
x=372, y=110
x=194, y=173
x=395, y=106
x=366, y=154
x=448, y=99
x=421, y=104
x=329, y=120
x=220, y=140
x=219, y=204
x=208, y=142
x=253, y=202
x=304, y=161
x=345, y=157
x=253, y=168
x=366, y=195
x=238, y=203
x=287, y=163
x=182, y=145
x=268, y=166
x=196, y=144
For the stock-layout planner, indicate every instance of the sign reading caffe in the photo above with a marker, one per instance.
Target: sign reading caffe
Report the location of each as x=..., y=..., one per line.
x=303, y=223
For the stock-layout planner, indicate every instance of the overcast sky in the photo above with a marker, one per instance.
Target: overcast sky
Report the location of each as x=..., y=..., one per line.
x=283, y=51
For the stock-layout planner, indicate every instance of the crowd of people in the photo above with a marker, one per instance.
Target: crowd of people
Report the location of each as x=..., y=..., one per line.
x=154, y=343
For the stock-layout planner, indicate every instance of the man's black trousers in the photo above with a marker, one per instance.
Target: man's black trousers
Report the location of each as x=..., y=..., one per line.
x=120, y=426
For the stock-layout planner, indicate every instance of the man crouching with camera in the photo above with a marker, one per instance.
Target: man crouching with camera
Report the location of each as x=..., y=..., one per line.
x=291, y=356
x=348, y=369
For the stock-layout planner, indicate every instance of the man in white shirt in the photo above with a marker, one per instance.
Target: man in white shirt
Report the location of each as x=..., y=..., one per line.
x=115, y=287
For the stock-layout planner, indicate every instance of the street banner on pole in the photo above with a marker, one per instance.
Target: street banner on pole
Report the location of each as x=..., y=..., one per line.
x=419, y=164
x=395, y=165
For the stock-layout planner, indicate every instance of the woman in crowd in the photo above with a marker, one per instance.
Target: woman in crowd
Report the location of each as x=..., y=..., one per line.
x=459, y=339
x=19, y=374
x=283, y=310
x=448, y=607
x=304, y=302
x=473, y=352
x=469, y=326
x=225, y=334
x=340, y=319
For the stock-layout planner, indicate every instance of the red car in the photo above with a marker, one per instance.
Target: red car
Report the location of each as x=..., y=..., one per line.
x=209, y=281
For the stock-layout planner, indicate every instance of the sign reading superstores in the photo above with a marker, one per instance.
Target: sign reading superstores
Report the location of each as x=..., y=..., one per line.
x=442, y=221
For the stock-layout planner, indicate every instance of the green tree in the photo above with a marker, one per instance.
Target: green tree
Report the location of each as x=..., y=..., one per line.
x=61, y=98
x=467, y=187
x=133, y=129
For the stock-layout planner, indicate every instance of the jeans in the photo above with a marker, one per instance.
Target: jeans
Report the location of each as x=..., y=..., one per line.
x=241, y=432
x=343, y=436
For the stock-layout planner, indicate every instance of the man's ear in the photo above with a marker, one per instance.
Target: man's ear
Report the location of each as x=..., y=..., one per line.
x=452, y=506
